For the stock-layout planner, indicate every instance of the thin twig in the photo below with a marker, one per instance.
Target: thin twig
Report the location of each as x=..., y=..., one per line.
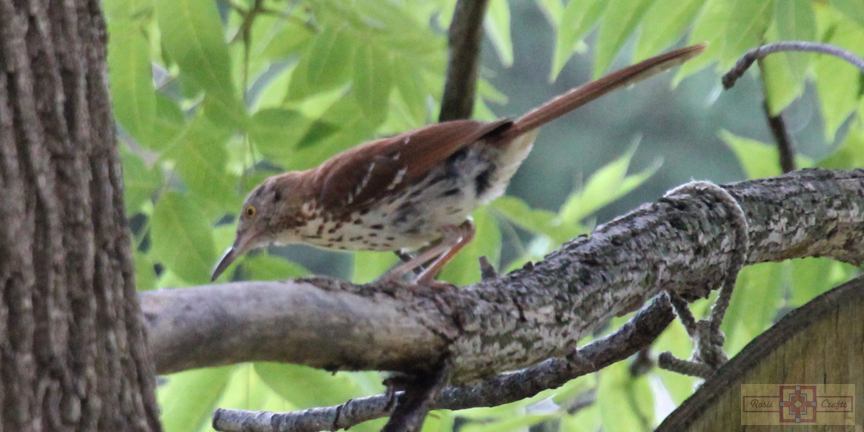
x=784, y=140
x=639, y=332
x=785, y=143
x=795, y=46
x=465, y=36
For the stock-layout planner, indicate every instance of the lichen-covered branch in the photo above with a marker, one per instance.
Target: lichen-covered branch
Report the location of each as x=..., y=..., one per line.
x=636, y=334
x=681, y=243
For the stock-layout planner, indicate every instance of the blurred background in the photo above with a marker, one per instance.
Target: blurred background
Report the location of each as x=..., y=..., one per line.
x=679, y=126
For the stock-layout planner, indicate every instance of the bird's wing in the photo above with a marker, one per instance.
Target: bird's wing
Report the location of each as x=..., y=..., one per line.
x=354, y=178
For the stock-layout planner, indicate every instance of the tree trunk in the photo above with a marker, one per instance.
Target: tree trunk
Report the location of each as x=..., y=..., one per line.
x=72, y=348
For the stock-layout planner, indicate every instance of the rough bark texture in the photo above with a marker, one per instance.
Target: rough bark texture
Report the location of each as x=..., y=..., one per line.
x=682, y=242
x=284, y=321
x=73, y=354
x=635, y=335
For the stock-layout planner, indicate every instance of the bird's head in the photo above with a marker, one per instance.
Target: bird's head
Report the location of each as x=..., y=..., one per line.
x=270, y=203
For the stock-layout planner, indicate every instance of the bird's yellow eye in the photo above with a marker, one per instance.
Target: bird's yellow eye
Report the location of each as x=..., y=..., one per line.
x=250, y=211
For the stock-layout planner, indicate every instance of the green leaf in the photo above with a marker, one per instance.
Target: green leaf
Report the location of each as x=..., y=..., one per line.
x=850, y=153
x=120, y=10
x=747, y=22
x=305, y=387
x=617, y=24
x=439, y=421
x=372, y=80
x=552, y=9
x=663, y=25
x=758, y=160
x=290, y=40
x=325, y=65
x=200, y=159
x=604, y=186
x=182, y=240
x=839, y=82
x=225, y=112
x=514, y=423
x=464, y=269
x=497, y=25
x=369, y=266
x=758, y=294
x=268, y=268
x=168, y=124
x=187, y=401
x=796, y=21
x=413, y=91
x=810, y=277
x=853, y=9
x=131, y=79
x=577, y=19
x=782, y=84
x=245, y=390
x=537, y=221
x=192, y=35
x=586, y=419
x=626, y=403
x=140, y=182
x=145, y=274
x=710, y=26
x=317, y=132
x=353, y=128
x=276, y=132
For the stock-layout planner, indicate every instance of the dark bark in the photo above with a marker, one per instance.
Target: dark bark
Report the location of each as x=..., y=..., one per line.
x=465, y=38
x=73, y=353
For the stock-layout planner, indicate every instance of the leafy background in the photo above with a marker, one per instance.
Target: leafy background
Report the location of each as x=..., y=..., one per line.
x=211, y=97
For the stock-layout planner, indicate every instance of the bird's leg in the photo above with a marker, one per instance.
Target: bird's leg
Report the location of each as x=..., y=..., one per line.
x=404, y=257
x=459, y=238
x=396, y=273
x=455, y=238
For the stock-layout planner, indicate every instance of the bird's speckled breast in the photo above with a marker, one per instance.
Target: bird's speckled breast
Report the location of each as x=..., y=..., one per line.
x=445, y=196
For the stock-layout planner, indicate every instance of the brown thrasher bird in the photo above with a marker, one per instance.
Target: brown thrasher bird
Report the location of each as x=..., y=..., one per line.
x=404, y=192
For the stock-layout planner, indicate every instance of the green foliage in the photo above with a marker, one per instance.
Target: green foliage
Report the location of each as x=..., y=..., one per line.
x=759, y=160
x=180, y=412
x=213, y=96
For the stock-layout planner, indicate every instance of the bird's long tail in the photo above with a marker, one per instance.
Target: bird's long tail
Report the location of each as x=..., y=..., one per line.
x=581, y=95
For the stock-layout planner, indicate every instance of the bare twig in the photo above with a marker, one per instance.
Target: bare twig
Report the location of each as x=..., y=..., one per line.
x=785, y=143
x=638, y=333
x=684, y=367
x=466, y=36
x=784, y=140
x=487, y=270
x=796, y=46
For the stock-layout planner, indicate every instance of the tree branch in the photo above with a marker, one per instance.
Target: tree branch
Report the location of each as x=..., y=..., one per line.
x=465, y=37
x=636, y=334
x=679, y=243
x=777, y=125
x=759, y=52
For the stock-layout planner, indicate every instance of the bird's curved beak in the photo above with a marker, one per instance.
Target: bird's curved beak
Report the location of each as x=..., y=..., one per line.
x=226, y=260
x=242, y=244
